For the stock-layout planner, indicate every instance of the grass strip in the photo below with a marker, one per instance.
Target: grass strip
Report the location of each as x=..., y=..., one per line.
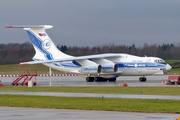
x=106, y=104
x=159, y=90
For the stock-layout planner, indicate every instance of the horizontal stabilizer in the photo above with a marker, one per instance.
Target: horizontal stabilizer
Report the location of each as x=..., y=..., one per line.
x=32, y=62
x=31, y=26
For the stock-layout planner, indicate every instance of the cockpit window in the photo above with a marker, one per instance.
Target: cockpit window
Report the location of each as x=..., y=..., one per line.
x=160, y=61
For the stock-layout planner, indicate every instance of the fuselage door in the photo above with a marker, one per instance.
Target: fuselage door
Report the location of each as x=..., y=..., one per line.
x=139, y=70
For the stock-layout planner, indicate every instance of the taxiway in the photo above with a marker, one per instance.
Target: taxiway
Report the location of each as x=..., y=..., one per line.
x=79, y=81
x=16, y=113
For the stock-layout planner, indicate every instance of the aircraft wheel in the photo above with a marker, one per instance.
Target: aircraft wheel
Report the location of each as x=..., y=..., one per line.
x=90, y=79
x=112, y=80
x=142, y=79
x=104, y=80
x=100, y=79
x=97, y=79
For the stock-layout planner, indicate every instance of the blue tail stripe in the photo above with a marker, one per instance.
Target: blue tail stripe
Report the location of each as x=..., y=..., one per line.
x=39, y=44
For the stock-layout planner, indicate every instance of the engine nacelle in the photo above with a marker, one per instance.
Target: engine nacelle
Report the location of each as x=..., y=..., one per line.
x=91, y=69
x=110, y=68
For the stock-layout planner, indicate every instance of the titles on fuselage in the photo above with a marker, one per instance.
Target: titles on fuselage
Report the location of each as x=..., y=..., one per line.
x=140, y=65
x=137, y=60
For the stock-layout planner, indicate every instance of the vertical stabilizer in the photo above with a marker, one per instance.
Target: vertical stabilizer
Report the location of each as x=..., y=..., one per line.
x=44, y=47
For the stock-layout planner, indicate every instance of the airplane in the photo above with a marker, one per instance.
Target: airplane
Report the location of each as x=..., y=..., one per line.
x=95, y=68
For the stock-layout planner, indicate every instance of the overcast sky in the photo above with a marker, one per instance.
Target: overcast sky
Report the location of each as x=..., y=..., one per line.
x=94, y=22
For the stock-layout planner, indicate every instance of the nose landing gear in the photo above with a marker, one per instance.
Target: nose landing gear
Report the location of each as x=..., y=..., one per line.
x=142, y=79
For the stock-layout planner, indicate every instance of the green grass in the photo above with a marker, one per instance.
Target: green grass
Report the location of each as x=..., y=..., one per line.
x=160, y=90
x=83, y=103
x=172, y=61
x=108, y=104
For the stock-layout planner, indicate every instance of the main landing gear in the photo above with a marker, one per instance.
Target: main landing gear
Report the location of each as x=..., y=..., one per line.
x=142, y=79
x=100, y=79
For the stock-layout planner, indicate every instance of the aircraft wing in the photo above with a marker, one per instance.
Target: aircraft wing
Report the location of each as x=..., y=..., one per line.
x=98, y=56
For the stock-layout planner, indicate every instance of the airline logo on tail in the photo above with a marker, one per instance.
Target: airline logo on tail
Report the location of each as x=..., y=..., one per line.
x=46, y=44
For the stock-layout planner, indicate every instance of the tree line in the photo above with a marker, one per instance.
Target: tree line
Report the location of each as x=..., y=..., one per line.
x=14, y=53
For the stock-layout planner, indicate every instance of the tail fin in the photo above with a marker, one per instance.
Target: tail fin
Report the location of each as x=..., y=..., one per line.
x=44, y=47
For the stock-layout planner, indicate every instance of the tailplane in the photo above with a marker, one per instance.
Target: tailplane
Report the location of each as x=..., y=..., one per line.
x=44, y=47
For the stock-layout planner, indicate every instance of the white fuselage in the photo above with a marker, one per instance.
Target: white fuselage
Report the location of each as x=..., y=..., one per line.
x=129, y=65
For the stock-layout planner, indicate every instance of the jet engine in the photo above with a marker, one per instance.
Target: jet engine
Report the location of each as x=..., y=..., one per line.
x=110, y=68
x=91, y=69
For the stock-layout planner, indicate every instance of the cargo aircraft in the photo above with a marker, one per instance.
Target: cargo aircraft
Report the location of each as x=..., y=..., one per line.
x=98, y=68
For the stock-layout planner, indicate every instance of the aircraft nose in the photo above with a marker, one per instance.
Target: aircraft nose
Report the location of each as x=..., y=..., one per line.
x=168, y=67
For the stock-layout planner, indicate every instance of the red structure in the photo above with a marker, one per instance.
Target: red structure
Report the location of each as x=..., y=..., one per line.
x=174, y=79
x=26, y=76
x=124, y=84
